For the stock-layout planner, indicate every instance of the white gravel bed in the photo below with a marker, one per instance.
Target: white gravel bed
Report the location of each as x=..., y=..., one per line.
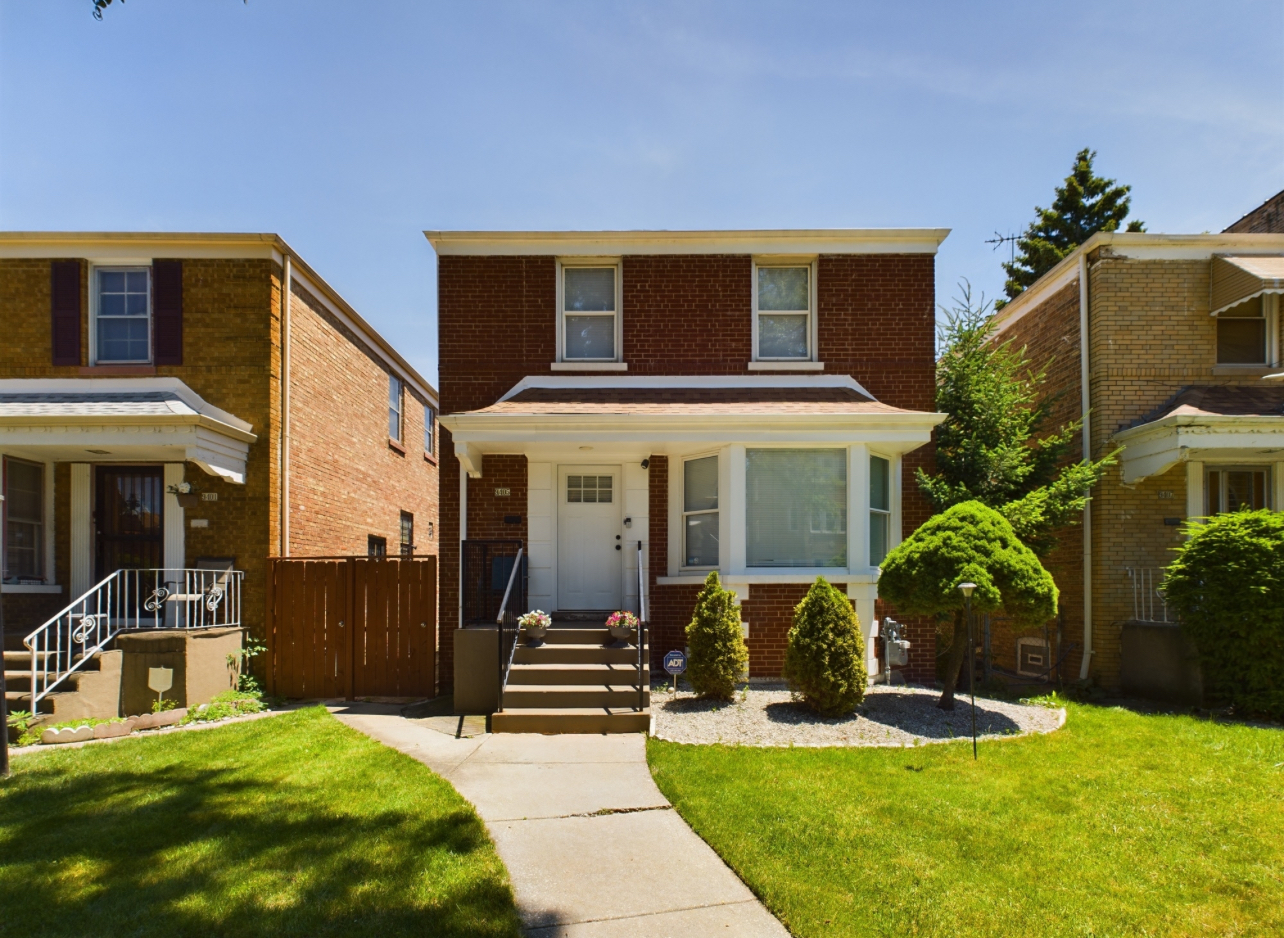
x=903, y=715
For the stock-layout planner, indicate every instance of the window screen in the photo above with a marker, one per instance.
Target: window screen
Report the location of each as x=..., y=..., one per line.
x=598, y=489
x=700, y=512
x=784, y=305
x=588, y=310
x=24, y=519
x=880, y=508
x=796, y=507
x=124, y=321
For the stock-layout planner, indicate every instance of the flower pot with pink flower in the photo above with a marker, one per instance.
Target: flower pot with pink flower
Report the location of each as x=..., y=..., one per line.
x=623, y=627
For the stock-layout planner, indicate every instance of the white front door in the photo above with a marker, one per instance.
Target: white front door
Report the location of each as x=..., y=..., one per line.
x=589, y=545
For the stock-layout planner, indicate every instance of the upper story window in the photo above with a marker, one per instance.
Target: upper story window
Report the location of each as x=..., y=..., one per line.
x=589, y=313
x=430, y=426
x=394, y=408
x=880, y=508
x=700, y=512
x=24, y=520
x=784, y=323
x=796, y=507
x=122, y=315
x=1245, y=333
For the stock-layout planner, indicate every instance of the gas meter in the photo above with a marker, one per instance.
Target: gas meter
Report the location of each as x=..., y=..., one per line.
x=895, y=648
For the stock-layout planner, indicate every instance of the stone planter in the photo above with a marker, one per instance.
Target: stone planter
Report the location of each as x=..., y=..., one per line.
x=534, y=636
x=621, y=634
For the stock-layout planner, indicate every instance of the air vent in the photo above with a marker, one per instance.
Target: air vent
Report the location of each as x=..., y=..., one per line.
x=1033, y=657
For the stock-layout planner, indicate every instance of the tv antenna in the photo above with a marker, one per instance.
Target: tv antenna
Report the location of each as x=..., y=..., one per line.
x=998, y=241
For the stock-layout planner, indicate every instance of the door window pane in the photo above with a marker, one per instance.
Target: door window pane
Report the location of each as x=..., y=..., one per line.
x=796, y=507
x=24, y=517
x=590, y=337
x=599, y=489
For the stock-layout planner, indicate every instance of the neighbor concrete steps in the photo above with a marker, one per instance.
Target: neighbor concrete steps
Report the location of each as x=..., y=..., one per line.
x=575, y=683
x=92, y=691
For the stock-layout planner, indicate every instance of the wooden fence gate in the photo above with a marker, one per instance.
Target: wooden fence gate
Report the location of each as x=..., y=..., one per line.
x=352, y=627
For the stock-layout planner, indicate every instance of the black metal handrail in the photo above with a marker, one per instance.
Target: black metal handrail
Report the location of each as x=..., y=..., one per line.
x=641, y=627
x=505, y=622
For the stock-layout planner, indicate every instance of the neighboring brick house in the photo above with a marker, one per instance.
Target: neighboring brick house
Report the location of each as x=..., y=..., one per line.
x=1182, y=331
x=1267, y=218
x=752, y=402
x=136, y=365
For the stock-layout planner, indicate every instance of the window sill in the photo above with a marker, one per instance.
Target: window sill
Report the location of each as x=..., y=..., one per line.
x=786, y=366
x=588, y=366
x=30, y=588
x=396, y=447
x=1246, y=370
x=119, y=370
x=430, y=459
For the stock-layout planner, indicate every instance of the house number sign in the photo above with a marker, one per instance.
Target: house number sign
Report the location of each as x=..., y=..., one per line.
x=503, y=493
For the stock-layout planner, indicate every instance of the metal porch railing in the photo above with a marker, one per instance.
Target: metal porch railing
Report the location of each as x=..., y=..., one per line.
x=641, y=629
x=1149, y=604
x=130, y=600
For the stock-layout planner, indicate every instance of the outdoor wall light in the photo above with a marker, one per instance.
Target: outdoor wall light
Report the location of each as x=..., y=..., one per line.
x=646, y=463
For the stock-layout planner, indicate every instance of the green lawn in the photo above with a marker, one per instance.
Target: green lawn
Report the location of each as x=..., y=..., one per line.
x=292, y=825
x=1118, y=824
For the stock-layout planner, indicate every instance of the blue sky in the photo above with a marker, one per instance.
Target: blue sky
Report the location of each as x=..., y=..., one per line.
x=349, y=127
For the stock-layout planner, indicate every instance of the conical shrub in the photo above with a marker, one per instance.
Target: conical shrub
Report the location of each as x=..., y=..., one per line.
x=825, y=658
x=717, y=645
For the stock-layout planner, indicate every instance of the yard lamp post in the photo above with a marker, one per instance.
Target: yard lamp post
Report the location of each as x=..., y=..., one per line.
x=966, y=589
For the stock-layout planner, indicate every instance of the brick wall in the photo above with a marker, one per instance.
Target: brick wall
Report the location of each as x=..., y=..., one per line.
x=682, y=315
x=1267, y=218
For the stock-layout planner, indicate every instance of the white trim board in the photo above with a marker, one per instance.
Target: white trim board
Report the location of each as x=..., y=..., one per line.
x=593, y=382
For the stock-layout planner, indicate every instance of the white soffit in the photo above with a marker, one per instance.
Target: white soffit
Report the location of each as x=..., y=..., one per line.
x=606, y=382
x=766, y=241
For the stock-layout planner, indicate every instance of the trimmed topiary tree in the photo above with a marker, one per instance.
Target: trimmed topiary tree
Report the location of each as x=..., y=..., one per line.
x=716, y=641
x=967, y=542
x=825, y=658
x=1227, y=588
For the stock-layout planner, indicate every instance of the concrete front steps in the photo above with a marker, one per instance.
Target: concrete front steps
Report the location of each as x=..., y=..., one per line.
x=574, y=683
x=93, y=691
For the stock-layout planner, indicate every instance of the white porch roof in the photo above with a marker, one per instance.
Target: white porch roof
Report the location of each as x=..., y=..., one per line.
x=121, y=420
x=1202, y=424
x=653, y=414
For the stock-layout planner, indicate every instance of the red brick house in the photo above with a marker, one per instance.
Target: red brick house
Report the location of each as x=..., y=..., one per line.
x=162, y=408
x=752, y=402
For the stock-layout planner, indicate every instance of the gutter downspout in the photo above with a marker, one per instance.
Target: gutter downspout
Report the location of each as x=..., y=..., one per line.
x=287, y=286
x=1085, y=406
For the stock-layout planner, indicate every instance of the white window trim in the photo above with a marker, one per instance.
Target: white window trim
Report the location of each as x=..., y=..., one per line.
x=810, y=264
x=1269, y=468
x=1271, y=315
x=430, y=430
x=562, y=264
x=857, y=495
x=47, y=545
x=890, y=513
x=93, y=311
x=682, y=513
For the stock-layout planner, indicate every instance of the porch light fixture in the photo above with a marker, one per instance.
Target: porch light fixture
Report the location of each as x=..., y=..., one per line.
x=966, y=590
x=646, y=463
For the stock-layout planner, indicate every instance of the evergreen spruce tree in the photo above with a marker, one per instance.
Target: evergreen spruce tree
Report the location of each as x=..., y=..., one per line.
x=716, y=642
x=1084, y=205
x=825, y=657
x=995, y=445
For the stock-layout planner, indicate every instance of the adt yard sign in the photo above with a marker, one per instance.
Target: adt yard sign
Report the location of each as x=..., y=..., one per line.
x=675, y=662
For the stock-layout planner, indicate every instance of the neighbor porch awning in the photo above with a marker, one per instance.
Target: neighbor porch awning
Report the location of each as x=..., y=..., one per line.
x=1205, y=423
x=1237, y=279
x=121, y=419
x=654, y=411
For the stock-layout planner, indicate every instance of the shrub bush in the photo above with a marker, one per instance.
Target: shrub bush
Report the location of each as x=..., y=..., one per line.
x=717, y=644
x=825, y=658
x=1227, y=588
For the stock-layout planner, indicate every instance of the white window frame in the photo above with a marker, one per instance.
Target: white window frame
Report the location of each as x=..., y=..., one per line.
x=430, y=430
x=741, y=530
x=1209, y=468
x=886, y=513
x=810, y=263
x=612, y=262
x=683, y=514
x=94, y=270
x=44, y=551
x=401, y=406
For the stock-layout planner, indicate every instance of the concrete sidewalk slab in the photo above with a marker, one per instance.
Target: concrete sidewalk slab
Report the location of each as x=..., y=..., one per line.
x=593, y=849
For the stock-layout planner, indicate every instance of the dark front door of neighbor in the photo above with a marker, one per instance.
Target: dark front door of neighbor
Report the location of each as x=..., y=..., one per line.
x=129, y=518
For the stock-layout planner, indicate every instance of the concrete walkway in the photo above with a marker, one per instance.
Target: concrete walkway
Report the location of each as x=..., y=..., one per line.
x=592, y=847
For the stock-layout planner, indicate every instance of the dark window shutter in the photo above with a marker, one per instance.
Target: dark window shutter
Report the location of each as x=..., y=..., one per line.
x=167, y=312
x=65, y=310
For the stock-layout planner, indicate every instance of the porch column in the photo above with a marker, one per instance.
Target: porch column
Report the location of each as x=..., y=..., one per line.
x=82, y=575
x=1194, y=490
x=174, y=546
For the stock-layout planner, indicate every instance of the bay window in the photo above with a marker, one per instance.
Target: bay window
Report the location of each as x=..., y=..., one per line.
x=796, y=507
x=700, y=512
x=880, y=508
